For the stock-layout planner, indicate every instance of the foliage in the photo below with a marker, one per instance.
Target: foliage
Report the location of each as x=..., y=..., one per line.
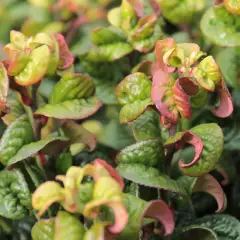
x=150, y=86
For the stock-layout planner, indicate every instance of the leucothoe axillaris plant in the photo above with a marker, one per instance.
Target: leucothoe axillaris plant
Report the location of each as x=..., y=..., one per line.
x=119, y=119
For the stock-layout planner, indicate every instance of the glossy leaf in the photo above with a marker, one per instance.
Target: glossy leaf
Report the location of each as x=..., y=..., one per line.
x=36, y=67
x=14, y=194
x=134, y=94
x=212, y=138
x=43, y=230
x=221, y=27
x=4, y=86
x=199, y=233
x=29, y=150
x=225, y=226
x=68, y=227
x=229, y=60
x=180, y=12
x=149, y=177
x=72, y=109
x=72, y=86
x=18, y=134
x=147, y=126
x=208, y=73
x=148, y=153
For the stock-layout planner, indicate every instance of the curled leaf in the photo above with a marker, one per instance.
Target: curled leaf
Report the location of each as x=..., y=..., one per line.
x=225, y=107
x=108, y=192
x=45, y=195
x=113, y=173
x=187, y=137
x=209, y=184
x=66, y=58
x=160, y=211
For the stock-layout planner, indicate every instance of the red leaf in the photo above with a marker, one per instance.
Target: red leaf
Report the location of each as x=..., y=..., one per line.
x=181, y=99
x=161, y=47
x=194, y=140
x=137, y=6
x=225, y=107
x=65, y=55
x=190, y=87
x=209, y=184
x=159, y=87
x=121, y=217
x=160, y=211
x=111, y=171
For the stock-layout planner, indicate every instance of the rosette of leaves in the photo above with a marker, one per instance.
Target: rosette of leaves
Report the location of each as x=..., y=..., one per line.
x=86, y=198
x=141, y=31
x=29, y=59
x=174, y=98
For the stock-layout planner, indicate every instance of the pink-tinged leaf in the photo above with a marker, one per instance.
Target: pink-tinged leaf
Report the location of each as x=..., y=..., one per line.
x=66, y=57
x=161, y=47
x=181, y=100
x=226, y=179
x=121, y=217
x=190, y=87
x=114, y=174
x=4, y=86
x=210, y=185
x=137, y=6
x=225, y=107
x=218, y=3
x=159, y=88
x=156, y=7
x=160, y=211
x=180, y=139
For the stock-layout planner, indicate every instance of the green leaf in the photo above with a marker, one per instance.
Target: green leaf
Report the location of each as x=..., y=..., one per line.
x=199, y=233
x=134, y=93
x=148, y=153
x=221, y=27
x=30, y=149
x=180, y=12
x=4, y=86
x=229, y=61
x=150, y=177
x=135, y=207
x=72, y=86
x=78, y=134
x=72, y=109
x=212, y=137
x=18, y=134
x=15, y=197
x=68, y=227
x=225, y=226
x=115, y=135
x=146, y=126
x=96, y=232
x=63, y=162
x=43, y=230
